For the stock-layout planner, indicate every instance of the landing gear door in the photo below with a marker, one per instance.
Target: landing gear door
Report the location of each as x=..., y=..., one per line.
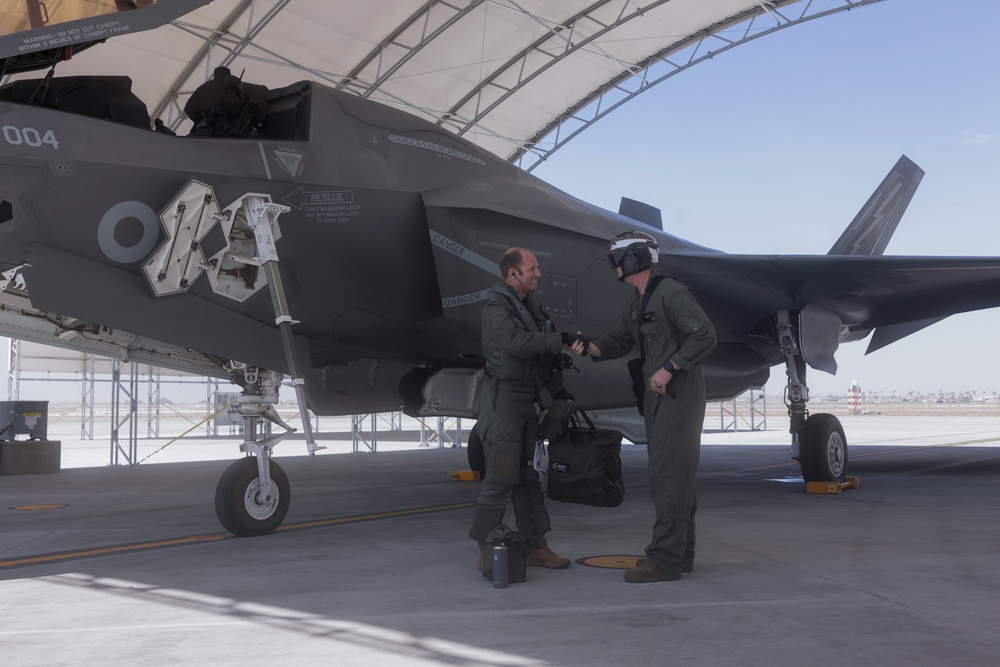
x=820, y=337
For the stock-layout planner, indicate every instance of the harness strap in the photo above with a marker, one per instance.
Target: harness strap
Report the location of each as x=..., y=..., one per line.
x=650, y=288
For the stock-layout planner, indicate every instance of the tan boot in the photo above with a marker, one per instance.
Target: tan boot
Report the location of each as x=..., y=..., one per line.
x=545, y=557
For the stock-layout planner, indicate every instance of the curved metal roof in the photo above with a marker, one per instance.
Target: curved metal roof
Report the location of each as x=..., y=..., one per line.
x=517, y=77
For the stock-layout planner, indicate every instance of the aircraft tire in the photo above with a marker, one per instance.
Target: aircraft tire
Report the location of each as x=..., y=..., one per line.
x=237, y=503
x=477, y=457
x=823, y=449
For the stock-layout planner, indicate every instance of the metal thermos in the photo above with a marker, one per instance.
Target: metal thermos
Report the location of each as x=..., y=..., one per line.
x=500, y=567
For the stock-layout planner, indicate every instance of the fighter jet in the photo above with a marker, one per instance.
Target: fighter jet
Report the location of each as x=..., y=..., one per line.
x=349, y=247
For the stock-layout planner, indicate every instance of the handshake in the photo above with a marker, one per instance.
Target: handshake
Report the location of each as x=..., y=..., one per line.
x=570, y=340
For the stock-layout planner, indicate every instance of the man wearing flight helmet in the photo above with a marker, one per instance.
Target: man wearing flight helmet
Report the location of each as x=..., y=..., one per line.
x=673, y=336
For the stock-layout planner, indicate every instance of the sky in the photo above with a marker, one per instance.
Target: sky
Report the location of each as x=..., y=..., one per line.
x=774, y=146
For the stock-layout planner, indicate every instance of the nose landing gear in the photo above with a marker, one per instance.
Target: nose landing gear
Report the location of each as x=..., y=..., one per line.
x=253, y=494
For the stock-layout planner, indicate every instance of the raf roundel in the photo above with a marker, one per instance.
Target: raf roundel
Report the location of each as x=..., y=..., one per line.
x=119, y=213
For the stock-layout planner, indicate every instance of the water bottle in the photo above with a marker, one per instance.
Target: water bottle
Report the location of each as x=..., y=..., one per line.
x=500, y=567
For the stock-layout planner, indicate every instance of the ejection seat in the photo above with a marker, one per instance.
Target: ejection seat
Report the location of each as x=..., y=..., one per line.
x=225, y=106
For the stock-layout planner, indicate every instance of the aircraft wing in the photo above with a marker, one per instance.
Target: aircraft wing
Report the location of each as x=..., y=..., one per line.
x=896, y=294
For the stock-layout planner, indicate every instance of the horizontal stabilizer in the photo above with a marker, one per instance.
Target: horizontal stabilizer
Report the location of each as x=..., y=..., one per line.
x=871, y=229
x=644, y=213
x=890, y=334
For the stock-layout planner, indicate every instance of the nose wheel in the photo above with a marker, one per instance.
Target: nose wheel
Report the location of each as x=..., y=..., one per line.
x=253, y=493
x=246, y=509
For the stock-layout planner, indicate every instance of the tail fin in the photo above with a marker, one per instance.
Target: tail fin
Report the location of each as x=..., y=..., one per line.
x=872, y=227
x=870, y=231
x=637, y=210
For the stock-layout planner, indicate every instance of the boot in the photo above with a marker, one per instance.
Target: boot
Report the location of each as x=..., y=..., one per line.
x=646, y=572
x=485, y=557
x=688, y=565
x=545, y=557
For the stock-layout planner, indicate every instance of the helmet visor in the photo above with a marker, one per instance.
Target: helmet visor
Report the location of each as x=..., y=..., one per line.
x=615, y=258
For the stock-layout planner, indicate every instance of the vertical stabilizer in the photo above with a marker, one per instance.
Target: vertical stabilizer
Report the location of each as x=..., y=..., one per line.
x=644, y=213
x=871, y=229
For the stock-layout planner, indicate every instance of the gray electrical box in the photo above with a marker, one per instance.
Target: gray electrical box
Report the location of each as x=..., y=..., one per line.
x=19, y=418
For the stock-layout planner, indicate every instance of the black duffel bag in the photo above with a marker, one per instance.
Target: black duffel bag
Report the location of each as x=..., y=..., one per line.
x=585, y=464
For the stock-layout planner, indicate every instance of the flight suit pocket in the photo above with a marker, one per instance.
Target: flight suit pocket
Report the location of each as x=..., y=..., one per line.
x=514, y=368
x=506, y=461
x=691, y=323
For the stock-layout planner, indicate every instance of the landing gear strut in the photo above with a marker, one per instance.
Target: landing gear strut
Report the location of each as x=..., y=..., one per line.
x=253, y=494
x=253, y=499
x=818, y=441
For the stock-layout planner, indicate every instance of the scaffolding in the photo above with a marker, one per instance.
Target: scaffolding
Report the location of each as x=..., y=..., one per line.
x=746, y=412
x=124, y=417
x=441, y=435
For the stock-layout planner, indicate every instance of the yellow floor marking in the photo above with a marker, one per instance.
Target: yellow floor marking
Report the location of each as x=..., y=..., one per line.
x=194, y=539
x=38, y=507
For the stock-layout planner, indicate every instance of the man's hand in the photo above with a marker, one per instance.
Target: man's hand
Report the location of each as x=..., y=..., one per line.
x=583, y=347
x=564, y=395
x=659, y=381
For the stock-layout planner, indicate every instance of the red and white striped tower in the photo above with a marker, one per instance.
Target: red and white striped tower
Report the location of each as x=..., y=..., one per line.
x=854, y=399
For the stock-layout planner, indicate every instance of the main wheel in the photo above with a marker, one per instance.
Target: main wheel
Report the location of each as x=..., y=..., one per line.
x=477, y=458
x=823, y=450
x=241, y=507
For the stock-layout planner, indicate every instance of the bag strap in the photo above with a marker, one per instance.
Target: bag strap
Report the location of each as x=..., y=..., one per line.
x=575, y=418
x=650, y=288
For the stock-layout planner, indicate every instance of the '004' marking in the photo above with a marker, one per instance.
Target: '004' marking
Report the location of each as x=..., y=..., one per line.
x=17, y=136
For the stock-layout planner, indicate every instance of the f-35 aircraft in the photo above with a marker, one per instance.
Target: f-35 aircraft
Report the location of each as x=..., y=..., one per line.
x=311, y=233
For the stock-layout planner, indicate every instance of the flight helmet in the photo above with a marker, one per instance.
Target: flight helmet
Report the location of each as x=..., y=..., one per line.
x=633, y=252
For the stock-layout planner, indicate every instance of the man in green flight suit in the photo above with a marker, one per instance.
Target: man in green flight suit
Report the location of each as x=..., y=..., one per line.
x=674, y=336
x=519, y=343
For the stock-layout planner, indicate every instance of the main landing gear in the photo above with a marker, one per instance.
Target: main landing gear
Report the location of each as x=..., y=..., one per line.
x=818, y=441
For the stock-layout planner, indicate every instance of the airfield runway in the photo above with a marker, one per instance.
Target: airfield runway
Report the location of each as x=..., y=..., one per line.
x=125, y=566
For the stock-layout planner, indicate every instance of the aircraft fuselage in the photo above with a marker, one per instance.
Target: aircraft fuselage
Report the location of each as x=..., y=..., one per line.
x=387, y=252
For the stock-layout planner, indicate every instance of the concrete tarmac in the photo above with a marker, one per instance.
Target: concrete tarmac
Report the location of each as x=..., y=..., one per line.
x=128, y=565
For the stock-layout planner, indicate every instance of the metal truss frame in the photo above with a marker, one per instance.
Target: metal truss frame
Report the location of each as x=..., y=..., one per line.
x=153, y=403
x=358, y=441
x=441, y=435
x=561, y=40
x=748, y=409
x=127, y=416
x=661, y=66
